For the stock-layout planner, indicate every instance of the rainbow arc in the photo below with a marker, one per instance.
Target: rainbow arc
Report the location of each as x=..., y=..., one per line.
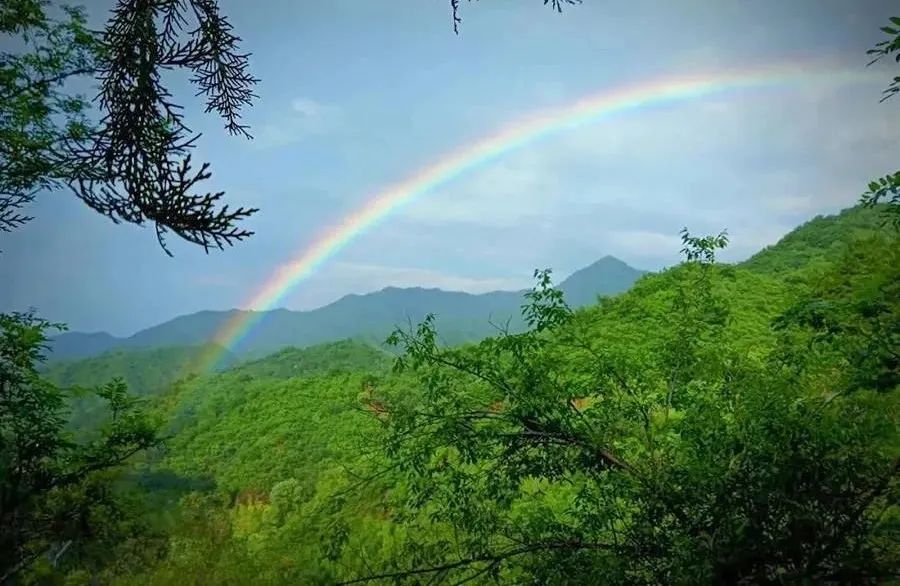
x=587, y=110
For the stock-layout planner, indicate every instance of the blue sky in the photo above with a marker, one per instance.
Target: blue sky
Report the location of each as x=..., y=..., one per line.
x=357, y=94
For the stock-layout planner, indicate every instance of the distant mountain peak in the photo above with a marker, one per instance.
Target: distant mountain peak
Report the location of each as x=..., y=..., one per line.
x=463, y=316
x=605, y=276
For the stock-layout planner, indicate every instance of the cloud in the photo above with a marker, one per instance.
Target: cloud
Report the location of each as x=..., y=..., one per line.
x=308, y=108
x=305, y=118
x=642, y=244
x=505, y=194
x=754, y=162
x=378, y=276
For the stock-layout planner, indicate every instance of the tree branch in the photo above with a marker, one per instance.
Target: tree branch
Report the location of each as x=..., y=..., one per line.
x=494, y=559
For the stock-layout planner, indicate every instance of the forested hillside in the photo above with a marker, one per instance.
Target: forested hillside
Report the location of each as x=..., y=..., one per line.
x=714, y=423
x=821, y=239
x=149, y=371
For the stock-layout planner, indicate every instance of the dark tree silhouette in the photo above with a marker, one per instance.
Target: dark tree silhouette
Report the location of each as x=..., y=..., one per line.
x=133, y=164
x=137, y=166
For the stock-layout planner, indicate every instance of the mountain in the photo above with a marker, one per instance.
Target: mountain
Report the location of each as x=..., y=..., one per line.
x=75, y=345
x=820, y=240
x=333, y=357
x=461, y=317
x=607, y=276
x=145, y=370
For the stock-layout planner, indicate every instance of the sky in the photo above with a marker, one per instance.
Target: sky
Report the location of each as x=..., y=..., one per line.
x=356, y=95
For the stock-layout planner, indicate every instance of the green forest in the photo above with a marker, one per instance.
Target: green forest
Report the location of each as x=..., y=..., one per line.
x=715, y=423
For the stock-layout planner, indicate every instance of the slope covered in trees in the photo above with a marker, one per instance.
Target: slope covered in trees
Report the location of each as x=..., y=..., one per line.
x=342, y=356
x=146, y=372
x=716, y=423
x=821, y=239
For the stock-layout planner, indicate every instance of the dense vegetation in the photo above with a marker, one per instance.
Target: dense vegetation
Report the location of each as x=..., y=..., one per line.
x=716, y=423
x=56, y=488
x=145, y=372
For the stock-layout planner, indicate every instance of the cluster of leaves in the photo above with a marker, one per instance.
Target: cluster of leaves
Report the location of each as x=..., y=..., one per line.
x=335, y=357
x=37, y=116
x=137, y=166
x=52, y=489
x=283, y=449
x=714, y=423
x=887, y=188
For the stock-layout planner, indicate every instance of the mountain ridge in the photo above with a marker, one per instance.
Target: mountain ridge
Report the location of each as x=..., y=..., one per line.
x=369, y=316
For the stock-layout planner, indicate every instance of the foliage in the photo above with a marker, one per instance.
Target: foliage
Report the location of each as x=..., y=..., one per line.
x=133, y=164
x=887, y=189
x=145, y=371
x=36, y=114
x=560, y=457
x=730, y=424
x=50, y=487
x=888, y=48
x=281, y=450
x=715, y=424
x=817, y=243
x=342, y=356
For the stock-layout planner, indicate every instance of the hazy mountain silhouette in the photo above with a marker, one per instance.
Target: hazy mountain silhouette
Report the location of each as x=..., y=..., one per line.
x=461, y=317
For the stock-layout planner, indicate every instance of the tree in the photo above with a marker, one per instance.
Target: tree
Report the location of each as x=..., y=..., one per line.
x=51, y=481
x=887, y=188
x=602, y=448
x=133, y=164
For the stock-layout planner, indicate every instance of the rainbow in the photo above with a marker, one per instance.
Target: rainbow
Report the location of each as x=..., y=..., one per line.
x=489, y=148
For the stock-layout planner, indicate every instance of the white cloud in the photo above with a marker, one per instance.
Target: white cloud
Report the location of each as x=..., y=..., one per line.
x=305, y=118
x=504, y=194
x=377, y=276
x=308, y=107
x=756, y=163
x=643, y=244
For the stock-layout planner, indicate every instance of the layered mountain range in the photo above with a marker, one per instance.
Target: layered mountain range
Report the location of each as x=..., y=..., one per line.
x=461, y=317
